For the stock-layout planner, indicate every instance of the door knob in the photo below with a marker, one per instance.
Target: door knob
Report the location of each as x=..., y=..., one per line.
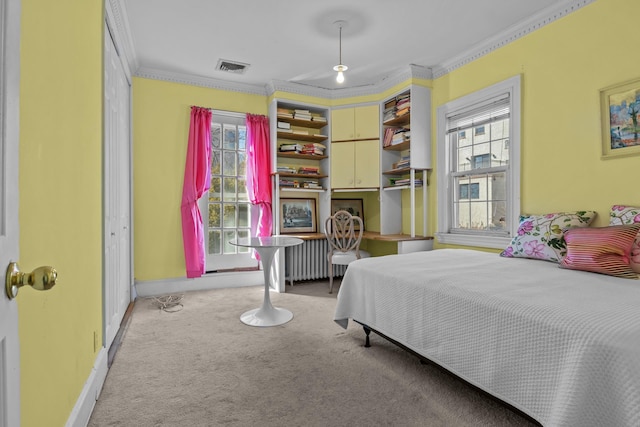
x=42, y=279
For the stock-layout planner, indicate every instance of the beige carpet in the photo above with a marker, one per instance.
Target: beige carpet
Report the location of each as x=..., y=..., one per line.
x=201, y=366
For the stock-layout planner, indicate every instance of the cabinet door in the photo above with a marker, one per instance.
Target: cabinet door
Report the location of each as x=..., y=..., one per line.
x=367, y=164
x=367, y=122
x=342, y=124
x=342, y=164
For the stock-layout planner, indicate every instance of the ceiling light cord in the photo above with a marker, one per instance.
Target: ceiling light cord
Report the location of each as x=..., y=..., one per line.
x=340, y=68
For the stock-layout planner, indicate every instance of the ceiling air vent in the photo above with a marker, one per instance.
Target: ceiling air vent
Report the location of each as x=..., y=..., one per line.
x=231, y=66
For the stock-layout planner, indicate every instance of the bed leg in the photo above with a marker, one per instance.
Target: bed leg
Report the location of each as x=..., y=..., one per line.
x=367, y=331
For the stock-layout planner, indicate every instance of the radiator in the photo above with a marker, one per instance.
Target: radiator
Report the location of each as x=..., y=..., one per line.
x=308, y=261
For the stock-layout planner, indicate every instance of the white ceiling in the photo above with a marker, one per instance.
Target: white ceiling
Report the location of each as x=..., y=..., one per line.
x=297, y=41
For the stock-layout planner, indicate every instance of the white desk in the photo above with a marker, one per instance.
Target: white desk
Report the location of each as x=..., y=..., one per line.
x=267, y=315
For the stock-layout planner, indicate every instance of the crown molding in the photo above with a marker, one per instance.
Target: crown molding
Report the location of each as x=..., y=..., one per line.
x=531, y=24
x=118, y=22
x=151, y=73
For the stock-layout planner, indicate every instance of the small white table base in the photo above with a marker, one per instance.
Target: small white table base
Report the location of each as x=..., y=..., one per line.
x=267, y=314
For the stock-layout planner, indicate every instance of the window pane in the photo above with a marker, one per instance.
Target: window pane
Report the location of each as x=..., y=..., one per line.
x=229, y=236
x=216, y=133
x=243, y=234
x=242, y=138
x=230, y=189
x=214, y=215
x=243, y=196
x=229, y=164
x=243, y=215
x=214, y=189
x=214, y=242
x=229, y=215
x=215, y=162
x=242, y=164
x=230, y=139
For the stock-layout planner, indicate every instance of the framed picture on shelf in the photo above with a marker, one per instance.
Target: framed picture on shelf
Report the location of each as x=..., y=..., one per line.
x=298, y=216
x=353, y=206
x=620, y=112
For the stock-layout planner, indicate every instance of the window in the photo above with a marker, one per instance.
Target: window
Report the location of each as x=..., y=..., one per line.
x=226, y=212
x=470, y=191
x=479, y=167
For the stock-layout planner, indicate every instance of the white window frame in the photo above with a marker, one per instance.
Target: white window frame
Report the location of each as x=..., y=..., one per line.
x=243, y=258
x=445, y=202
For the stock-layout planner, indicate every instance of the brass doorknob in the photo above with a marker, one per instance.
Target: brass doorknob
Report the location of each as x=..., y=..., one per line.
x=42, y=279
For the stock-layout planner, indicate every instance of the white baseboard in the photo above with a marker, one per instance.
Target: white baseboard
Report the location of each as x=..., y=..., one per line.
x=84, y=405
x=234, y=279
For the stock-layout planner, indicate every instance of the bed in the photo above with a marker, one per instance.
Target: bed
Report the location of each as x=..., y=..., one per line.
x=560, y=345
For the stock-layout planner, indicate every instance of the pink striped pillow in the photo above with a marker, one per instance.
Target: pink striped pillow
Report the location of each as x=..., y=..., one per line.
x=603, y=250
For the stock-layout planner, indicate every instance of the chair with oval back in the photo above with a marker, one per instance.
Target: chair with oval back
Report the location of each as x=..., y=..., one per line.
x=344, y=233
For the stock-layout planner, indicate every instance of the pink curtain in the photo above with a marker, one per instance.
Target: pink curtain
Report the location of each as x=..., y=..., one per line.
x=197, y=179
x=259, y=171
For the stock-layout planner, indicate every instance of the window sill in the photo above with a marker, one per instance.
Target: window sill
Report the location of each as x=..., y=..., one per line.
x=472, y=240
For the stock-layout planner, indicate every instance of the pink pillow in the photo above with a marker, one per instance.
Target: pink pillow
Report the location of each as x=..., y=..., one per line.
x=604, y=250
x=621, y=214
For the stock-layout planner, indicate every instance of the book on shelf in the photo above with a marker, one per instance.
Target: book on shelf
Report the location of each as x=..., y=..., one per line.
x=397, y=182
x=318, y=118
x=290, y=147
x=308, y=170
x=300, y=132
x=283, y=125
x=286, y=169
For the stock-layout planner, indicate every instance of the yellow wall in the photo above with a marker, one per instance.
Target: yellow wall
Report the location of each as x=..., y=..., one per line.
x=161, y=113
x=563, y=66
x=60, y=202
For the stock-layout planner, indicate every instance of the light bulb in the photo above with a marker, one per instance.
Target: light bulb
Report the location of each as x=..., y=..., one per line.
x=340, y=77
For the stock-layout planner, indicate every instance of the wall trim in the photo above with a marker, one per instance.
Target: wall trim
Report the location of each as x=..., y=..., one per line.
x=90, y=392
x=513, y=33
x=151, y=288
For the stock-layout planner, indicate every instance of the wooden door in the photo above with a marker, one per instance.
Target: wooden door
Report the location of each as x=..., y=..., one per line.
x=342, y=165
x=9, y=227
x=367, y=164
x=342, y=124
x=367, y=122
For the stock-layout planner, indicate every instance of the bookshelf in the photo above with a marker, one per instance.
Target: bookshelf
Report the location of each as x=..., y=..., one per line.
x=300, y=155
x=405, y=158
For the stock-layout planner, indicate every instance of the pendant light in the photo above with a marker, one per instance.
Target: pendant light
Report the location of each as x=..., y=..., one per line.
x=340, y=68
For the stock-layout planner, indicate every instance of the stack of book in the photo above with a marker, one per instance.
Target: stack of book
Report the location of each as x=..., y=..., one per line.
x=286, y=169
x=403, y=104
x=402, y=163
x=400, y=136
x=293, y=148
x=308, y=170
x=284, y=127
x=397, y=182
x=318, y=118
x=302, y=114
x=311, y=184
x=395, y=135
x=397, y=107
x=285, y=113
x=288, y=182
x=316, y=149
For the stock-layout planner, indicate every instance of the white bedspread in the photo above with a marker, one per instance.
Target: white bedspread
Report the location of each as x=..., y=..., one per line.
x=562, y=346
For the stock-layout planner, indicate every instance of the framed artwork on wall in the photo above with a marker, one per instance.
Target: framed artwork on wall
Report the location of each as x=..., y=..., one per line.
x=620, y=114
x=298, y=216
x=353, y=206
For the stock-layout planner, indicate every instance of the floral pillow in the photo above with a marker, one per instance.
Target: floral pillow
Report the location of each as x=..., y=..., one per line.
x=620, y=215
x=541, y=236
